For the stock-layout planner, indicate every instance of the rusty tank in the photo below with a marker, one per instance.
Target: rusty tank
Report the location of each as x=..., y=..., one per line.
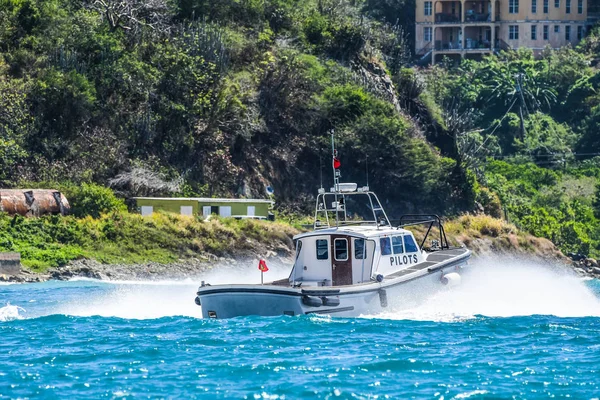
x=33, y=202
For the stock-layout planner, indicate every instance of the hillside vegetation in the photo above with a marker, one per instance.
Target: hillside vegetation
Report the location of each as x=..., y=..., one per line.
x=224, y=98
x=124, y=238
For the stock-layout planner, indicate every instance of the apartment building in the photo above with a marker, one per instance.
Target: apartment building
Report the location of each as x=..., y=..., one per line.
x=465, y=28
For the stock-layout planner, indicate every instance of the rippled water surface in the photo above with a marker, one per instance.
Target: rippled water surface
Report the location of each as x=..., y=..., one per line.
x=510, y=331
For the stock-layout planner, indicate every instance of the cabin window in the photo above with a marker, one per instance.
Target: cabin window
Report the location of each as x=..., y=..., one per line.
x=298, y=249
x=397, y=245
x=386, y=248
x=341, y=249
x=360, y=252
x=322, y=249
x=410, y=245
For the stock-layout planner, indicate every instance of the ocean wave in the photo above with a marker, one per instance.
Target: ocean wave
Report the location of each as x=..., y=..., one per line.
x=11, y=313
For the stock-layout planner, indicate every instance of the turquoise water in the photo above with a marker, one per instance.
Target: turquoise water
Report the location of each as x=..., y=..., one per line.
x=511, y=332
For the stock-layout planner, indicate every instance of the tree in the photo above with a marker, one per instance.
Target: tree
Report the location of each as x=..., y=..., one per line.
x=131, y=15
x=15, y=125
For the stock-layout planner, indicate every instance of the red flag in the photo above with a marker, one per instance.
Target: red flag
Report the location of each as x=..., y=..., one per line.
x=262, y=265
x=336, y=163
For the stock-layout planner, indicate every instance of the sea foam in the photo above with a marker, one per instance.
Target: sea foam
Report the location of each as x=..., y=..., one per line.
x=504, y=287
x=11, y=313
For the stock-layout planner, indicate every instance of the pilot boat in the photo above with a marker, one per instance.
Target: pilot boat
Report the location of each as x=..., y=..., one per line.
x=352, y=263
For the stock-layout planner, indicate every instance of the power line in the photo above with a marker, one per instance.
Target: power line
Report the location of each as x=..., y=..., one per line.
x=562, y=155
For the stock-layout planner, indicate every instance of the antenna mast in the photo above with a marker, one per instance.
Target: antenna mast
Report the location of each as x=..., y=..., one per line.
x=321, y=167
x=336, y=176
x=367, y=167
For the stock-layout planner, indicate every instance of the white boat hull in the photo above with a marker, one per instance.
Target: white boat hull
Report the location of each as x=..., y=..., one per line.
x=402, y=289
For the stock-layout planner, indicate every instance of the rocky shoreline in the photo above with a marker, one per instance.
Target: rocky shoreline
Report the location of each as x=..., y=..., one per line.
x=587, y=267
x=92, y=269
x=193, y=268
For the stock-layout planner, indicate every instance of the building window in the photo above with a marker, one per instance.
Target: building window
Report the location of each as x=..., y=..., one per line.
x=513, y=6
x=427, y=34
x=546, y=30
x=147, y=210
x=533, y=32
x=568, y=6
x=568, y=32
x=225, y=211
x=579, y=6
x=513, y=32
x=557, y=3
x=556, y=28
x=322, y=249
x=428, y=8
x=533, y=6
x=546, y=2
x=186, y=210
x=579, y=32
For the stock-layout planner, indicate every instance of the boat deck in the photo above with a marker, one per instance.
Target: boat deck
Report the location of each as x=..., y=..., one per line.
x=433, y=261
x=281, y=282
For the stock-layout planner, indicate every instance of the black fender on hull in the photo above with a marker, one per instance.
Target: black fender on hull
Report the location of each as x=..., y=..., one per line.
x=331, y=301
x=312, y=301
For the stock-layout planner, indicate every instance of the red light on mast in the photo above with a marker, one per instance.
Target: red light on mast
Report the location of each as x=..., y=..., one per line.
x=336, y=163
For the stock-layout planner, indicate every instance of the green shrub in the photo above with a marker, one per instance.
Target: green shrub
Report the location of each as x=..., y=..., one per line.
x=92, y=199
x=490, y=202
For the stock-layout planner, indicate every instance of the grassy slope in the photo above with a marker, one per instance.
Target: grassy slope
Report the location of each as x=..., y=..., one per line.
x=127, y=238
x=483, y=234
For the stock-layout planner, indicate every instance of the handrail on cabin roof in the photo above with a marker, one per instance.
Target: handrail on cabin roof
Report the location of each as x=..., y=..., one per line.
x=339, y=207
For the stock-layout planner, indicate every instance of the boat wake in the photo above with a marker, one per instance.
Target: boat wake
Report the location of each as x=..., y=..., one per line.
x=157, y=299
x=500, y=287
x=494, y=287
x=11, y=313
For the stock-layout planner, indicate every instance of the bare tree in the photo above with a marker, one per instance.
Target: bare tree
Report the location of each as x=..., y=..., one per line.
x=142, y=181
x=131, y=15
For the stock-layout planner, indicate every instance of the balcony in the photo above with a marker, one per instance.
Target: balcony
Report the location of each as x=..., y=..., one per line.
x=443, y=45
x=470, y=44
x=447, y=18
x=472, y=17
x=476, y=44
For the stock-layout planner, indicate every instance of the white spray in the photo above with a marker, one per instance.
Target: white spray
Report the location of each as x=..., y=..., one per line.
x=495, y=287
x=10, y=312
x=503, y=287
x=156, y=299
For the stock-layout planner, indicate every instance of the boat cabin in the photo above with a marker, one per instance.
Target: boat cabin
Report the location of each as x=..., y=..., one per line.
x=348, y=248
x=348, y=257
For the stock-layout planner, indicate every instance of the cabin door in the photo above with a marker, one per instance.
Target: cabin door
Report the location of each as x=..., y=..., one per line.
x=341, y=265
